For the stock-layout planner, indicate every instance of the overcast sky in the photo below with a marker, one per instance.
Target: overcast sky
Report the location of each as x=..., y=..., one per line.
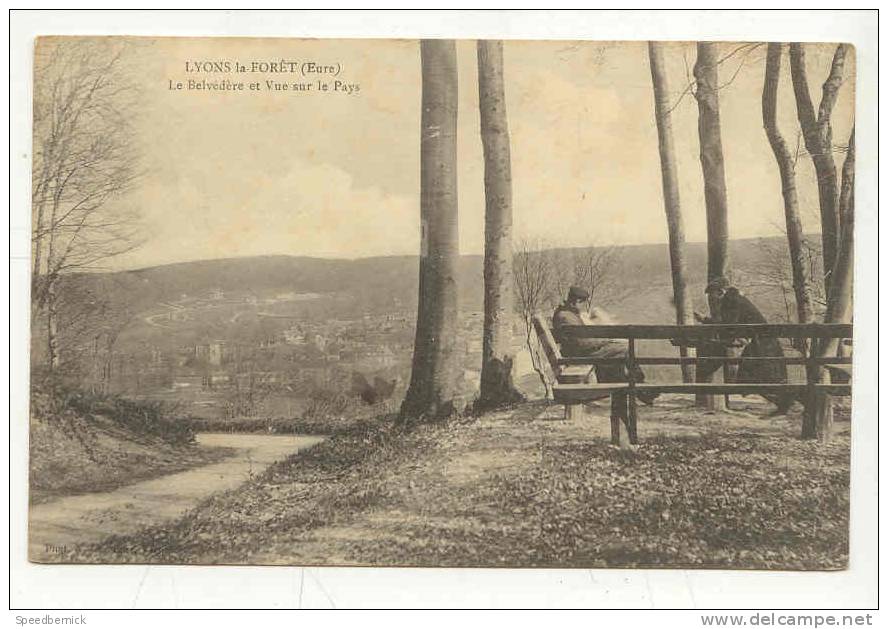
x=336, y=175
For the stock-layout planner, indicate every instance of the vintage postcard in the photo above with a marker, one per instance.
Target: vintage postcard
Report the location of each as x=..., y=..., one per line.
x=379, y=302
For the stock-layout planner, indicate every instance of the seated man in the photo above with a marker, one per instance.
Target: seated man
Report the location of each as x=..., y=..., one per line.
x=570, y=313
x=736, y=308
x=710, y=352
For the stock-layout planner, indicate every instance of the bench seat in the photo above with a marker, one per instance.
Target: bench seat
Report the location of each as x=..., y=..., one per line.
x=577, y=393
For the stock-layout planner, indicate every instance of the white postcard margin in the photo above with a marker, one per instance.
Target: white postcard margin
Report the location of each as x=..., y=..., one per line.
x=78, y=587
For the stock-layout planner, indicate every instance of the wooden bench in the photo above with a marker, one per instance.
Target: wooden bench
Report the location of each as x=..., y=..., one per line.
x=573, y=386
x=576, y=383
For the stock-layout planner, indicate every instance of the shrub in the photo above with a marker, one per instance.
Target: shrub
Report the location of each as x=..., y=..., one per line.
x=329, y=403
x=53, y=400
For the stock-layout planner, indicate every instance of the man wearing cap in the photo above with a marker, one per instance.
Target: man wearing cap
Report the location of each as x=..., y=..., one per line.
x=715, y=349
x=715, y=290
x=732, y=307
x=570, y=312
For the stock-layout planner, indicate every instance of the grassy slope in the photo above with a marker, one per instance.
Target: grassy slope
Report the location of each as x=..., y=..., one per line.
x=74, y=452
x=523, y=488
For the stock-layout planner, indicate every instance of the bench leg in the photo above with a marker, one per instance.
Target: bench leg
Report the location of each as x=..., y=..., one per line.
x=632, y=420
x=623, y=411
x=615, y=431
x=573, y=412
x=616, y=418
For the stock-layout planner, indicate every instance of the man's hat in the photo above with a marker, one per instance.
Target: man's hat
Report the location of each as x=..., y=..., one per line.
x=578, y=293
x=718, y=283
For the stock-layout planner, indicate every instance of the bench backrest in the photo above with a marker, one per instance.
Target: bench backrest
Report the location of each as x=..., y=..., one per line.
x=547, y=340
x=566, y=369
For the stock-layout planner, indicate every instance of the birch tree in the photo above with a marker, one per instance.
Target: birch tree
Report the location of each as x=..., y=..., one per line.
x=786, y=166
x=714, y=186
x=817, y=133
x=84, y=161
x=497, y=387
x=671, y=197
x=818, y=420
x=433, y=389
x=836, y=214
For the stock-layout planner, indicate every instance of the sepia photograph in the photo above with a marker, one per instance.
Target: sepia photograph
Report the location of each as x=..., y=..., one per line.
x=476, y=303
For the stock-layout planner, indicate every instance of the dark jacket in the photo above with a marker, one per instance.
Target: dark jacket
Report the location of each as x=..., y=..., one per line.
x=736, y=308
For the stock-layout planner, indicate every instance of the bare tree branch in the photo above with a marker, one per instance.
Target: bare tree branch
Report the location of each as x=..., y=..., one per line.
x=746, y=49
x=85, y=160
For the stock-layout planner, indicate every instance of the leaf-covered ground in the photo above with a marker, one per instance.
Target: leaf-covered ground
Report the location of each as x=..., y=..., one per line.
x=525, y=488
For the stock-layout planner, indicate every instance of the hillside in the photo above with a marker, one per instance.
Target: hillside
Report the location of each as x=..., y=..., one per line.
x=83, y=443
x=385, y=283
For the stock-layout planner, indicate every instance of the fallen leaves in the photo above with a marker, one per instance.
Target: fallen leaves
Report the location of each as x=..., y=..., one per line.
x=381, y=495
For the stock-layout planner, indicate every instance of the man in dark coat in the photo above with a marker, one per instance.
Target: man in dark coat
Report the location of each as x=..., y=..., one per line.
x=736, y=308
x=716, y=348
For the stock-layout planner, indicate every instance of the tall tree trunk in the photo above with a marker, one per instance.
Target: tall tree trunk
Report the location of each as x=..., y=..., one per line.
x=714, y=187
x=40, y=195
x=434, y=379
x=497, y=386
x=671, y=198
x=786, y=165
x=817, y=132
x=52, y=334
x=37, y=247
x=846, y=193
x=819, y=416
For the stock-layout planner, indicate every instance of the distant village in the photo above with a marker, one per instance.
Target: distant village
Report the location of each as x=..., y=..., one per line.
x=266, y=357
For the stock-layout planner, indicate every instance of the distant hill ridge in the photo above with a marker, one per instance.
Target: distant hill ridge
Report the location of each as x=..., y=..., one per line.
x=381, y=283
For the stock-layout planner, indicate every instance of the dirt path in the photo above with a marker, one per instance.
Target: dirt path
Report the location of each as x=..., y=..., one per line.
x=62, y=524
